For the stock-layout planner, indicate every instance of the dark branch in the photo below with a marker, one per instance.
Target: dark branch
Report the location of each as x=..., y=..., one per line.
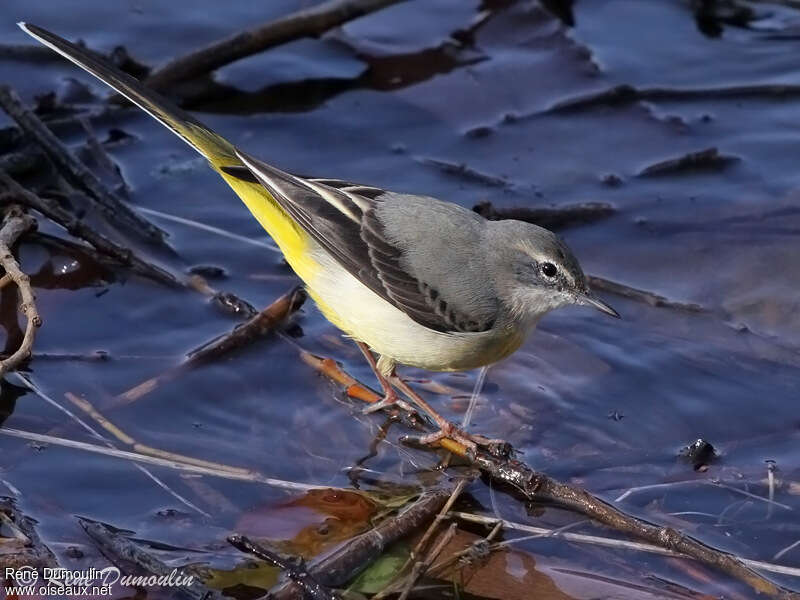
x=308, y=22
x=15, y=224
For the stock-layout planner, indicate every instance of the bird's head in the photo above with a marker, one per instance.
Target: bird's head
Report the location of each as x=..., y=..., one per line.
x=536, y=272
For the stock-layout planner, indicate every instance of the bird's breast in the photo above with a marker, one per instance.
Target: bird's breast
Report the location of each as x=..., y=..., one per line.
x=365, y=316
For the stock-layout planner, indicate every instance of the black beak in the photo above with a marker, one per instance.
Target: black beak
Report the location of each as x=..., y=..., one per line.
x=588, y=299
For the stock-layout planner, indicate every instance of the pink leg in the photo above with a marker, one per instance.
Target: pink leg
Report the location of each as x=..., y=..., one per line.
x=389, y=395
x=446, y=428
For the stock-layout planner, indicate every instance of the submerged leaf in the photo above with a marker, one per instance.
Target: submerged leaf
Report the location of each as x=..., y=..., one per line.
x=251, y=574
x=382, y=571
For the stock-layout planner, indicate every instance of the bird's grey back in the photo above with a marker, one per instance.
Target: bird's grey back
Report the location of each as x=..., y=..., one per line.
x=442, y=246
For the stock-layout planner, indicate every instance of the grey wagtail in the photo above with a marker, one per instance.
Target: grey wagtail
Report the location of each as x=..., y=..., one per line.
x=416, y=280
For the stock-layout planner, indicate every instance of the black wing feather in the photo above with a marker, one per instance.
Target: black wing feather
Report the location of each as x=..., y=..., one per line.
x=356, y=238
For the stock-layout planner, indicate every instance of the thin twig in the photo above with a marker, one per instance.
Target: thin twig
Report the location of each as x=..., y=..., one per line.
x=611, y=542
x=234, y=473
x=421, y=567
x=736, y=490
x=440, y=516
x=111, y=205
x=480, y=548
x=15, y=223
x=309, y=22
x=267, y=244
x=788, y=548
x=476, y=394
x=86, y=406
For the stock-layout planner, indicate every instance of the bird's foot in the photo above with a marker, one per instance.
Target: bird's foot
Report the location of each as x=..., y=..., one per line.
x=389, y=399
x=495, y=447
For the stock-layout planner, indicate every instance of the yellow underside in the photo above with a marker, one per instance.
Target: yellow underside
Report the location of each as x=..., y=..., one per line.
x=293, y=241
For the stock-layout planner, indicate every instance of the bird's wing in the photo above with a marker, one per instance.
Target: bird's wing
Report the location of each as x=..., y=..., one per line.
x=341, y=217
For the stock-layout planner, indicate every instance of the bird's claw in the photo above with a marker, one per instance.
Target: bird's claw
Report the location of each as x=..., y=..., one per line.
x=386, y=402
x=472, y=442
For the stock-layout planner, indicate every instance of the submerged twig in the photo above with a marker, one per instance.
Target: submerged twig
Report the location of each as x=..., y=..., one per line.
x=708, y=159
x=632, y=293
x=121, y=436
x=542, y=488
x=310, y=588
x=259, y=325
x=308, y=22
x=242, y=335
x=626, y=94
x=99, y=154
x=226, y=301
x=112, y=207
x=65, y=125
x=15, y=223
x=465, y=172
x=554, y=217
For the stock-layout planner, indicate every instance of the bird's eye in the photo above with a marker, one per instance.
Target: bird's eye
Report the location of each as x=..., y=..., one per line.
x=549, y=269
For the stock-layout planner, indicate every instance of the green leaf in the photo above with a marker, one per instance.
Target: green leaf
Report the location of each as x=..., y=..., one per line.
x=380, y=573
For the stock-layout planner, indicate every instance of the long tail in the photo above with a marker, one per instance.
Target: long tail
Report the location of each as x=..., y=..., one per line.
x=221, y=154
x=214, y=147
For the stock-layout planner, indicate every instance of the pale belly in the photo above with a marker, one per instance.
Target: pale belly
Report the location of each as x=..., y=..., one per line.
x=366, y=317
